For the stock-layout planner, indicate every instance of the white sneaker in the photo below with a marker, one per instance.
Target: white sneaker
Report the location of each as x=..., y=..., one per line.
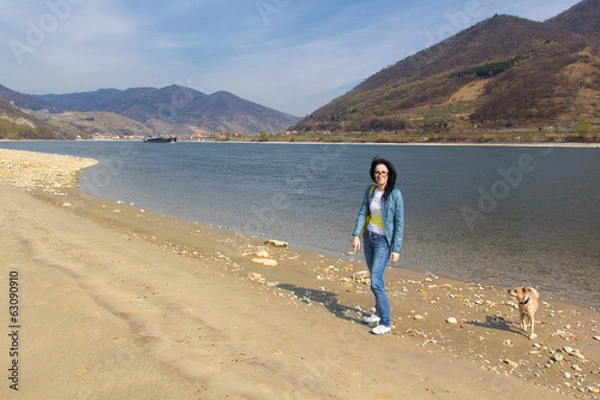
x=372, y=320
x=381, y=330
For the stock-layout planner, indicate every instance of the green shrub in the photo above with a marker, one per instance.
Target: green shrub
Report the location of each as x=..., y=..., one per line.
x=584, y=128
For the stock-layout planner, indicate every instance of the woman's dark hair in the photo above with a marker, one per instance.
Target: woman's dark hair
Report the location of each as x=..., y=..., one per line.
x=391, y=178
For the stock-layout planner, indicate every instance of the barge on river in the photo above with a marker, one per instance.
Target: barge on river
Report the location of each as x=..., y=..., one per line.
x=160, y=139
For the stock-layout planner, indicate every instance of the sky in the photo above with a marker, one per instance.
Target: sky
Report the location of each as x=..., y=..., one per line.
x=290, y=55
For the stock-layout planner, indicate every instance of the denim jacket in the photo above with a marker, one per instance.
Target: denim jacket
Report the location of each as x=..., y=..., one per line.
x=392, y=210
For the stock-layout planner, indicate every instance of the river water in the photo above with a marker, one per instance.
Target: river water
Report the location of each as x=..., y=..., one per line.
x=492, y=214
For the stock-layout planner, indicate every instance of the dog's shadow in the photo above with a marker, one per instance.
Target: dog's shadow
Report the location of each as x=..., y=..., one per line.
x=498, y=323
x=329, y=300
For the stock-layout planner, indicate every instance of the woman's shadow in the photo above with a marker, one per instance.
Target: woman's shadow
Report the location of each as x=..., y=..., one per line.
x=328, y=300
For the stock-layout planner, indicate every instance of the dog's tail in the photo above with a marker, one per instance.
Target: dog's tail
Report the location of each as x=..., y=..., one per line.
x=532, y=292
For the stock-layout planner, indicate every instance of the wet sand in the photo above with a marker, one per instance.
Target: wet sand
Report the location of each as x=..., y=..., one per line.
x=119, y=302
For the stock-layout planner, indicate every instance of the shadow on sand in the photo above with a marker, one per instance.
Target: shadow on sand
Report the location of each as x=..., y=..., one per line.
x=328, y=299
x=498, y=323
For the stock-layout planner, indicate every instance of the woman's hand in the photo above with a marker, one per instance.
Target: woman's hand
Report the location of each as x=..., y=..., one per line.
x=394, y=257
x=355, y=243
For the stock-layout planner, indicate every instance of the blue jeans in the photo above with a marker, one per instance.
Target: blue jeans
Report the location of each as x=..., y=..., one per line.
x=377, y=255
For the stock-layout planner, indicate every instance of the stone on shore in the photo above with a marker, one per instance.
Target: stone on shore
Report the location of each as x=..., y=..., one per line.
x=266, y=262
x=276, y=243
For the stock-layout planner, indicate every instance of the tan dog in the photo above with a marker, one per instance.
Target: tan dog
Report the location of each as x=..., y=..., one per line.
x=528, y=305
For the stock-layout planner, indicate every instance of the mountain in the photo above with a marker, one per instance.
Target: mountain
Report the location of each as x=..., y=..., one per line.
x=18, y=124
x=504, y=72
x=223, y=111
x=178, y=110
x=27, y=102
x=172, y=110
x=86, y=101
x=583, y=18
x=102, y=123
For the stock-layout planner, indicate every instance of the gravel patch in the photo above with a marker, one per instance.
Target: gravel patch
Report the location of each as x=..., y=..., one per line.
x=50, y=172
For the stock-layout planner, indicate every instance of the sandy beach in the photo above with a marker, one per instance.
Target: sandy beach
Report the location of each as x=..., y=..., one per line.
x=104, y=300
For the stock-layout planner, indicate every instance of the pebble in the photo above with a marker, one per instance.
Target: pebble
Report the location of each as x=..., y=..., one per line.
x=558, y=357
x=360, y=275
x=511, y=364
x=267, y=262
x=253, y=276
x=262, y=254
x=418, y=317
x=451, y=320
x=276, y=243
x=577, y=353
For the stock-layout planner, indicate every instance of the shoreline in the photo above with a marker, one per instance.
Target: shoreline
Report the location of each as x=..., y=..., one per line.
x=499, y=144
x=166, y=294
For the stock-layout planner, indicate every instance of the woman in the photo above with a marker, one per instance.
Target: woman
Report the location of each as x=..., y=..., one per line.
x=381, y=223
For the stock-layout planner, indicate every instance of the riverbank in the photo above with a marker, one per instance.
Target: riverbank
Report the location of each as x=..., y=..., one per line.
x=502, y=137
x=250, y=140
x=120, y=302
x=455, y=144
